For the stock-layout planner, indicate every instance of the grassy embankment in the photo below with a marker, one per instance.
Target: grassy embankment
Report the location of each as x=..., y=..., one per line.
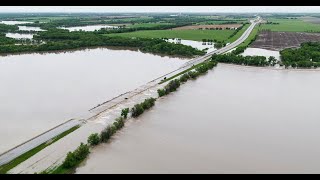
x=6, y=167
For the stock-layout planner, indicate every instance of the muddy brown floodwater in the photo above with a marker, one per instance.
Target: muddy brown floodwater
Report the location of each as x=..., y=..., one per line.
x=232, y=120
x=40, y=91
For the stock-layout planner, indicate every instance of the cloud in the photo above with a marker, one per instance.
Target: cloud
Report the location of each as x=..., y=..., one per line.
x=212, y=9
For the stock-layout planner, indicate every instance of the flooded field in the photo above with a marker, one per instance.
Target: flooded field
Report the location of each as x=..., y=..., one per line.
x=29, y=28
x=233, y=120
x=15, y=22
x=261, y=52
x=47, y=89
x=195, y=44
x=19, y=35
x=88, y=28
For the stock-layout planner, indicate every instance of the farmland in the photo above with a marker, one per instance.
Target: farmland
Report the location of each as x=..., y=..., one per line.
x=147, y=25
x=196, y=35
x=291, y=25
x=194, y=27
x=280, y=40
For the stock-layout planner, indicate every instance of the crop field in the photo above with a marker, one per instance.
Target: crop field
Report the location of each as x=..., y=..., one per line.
x=291, y=25
x=212, y=22
x=196, y=35
x=280, y=40
x=146, y=25
x=194, y=27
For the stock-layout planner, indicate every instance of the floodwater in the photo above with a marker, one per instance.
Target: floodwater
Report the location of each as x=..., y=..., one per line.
x=88, y=28
x=40, y=91
x=235, y=119
x=19, y=35
x=15, y=22
x=195, y=44
x=261, y=52
x=29, y=28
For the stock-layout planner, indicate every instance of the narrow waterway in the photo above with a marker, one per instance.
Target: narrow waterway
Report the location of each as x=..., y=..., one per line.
x=235, y=119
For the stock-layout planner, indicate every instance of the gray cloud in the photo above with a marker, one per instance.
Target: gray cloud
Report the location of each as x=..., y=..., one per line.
x=240, y=9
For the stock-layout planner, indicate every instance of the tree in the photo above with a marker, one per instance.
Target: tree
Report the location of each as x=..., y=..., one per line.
x=137, y=110
x=70, y=160
x=94, y=139
x=124, y=112
x=106, y=134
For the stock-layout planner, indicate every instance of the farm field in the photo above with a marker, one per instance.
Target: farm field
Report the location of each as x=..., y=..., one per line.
x=195, y=35
x=221, y=22
x=281, y=40
x=291, y=25
x=196, y=27
x=147, y=25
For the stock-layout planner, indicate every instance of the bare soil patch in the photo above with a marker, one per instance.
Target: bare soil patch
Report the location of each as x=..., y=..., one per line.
x=277, y=41
x=204, y=27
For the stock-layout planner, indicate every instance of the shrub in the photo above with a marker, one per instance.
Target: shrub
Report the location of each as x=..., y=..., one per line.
x=94, y=139
x=74, y=158
x=106, y=134
x=161, y=92
x=137, y=110
x=184, y=77
x=119, y=123
x=124, y=112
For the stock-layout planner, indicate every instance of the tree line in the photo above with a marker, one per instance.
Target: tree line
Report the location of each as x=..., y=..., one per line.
x=307, y=56
x=244, y=60
x=59, y=39
x=200, y=69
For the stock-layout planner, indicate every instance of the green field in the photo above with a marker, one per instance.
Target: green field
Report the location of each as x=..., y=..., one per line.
x=220, y=22
x=196, y=35
x=44, y=19
x=291, y=25
x=147, y=25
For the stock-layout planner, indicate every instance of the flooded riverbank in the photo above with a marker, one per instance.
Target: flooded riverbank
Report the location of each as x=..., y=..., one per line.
x=195, y=44
x=235, y=119
x=89, y=28
x=261, y=52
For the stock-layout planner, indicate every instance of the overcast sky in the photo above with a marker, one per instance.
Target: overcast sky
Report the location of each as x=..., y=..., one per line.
x=249, y=9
